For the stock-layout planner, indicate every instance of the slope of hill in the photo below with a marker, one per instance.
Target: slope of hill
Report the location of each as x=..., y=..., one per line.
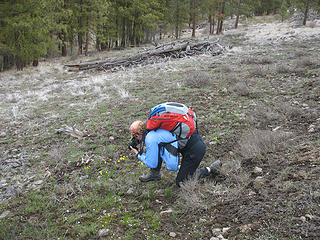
x=66, y=171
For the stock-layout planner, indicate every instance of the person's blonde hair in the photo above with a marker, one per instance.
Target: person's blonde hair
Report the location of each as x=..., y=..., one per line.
x=142, y=126
x=139, y=127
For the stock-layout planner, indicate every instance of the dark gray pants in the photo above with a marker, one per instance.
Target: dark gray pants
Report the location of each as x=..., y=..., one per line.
x=192, y=155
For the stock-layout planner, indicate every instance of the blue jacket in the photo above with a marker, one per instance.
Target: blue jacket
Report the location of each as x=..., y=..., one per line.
x=151, y=156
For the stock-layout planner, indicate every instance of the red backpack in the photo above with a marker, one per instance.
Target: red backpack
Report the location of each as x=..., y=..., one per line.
x=174, y=117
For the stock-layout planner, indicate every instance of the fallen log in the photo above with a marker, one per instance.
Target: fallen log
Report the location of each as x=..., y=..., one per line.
x=172, y=50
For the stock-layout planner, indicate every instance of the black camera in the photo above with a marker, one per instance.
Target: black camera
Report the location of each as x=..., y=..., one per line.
x=134, y=143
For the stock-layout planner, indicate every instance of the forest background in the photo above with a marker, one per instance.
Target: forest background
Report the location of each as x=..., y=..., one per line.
x=34, y=29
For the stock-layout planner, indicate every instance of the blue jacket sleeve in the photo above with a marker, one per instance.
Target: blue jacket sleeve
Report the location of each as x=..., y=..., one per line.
x=151, y=156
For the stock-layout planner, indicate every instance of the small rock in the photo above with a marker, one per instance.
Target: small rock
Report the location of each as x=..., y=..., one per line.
x=103, y=232
x=38, y=182
x=214, y=238
x=111, y=138
x=257, y=170
x=246, y=228
x=309, y=217
x=303, y=219
x=311, y=128
x=259, y=181
x=225, y=229
x=172, y=234
x=166, y=211
x=216, y=230
x=202, y=220
x=220, y=237
x=252, y=193
x=4, y=214
x=130, y=191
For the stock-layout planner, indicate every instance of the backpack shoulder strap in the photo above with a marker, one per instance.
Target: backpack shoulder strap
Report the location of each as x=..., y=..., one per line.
x=171, y=149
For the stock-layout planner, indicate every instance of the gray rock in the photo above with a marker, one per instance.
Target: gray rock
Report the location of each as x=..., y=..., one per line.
x=4, y=214
x=103, y=232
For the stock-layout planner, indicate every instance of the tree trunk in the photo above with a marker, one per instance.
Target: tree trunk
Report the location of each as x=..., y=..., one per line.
x=87, y=38
x=210, y=24
x=64, y=45
x=19, y=63
x=238, y=13
x=35, y=62
x=80, y=33
x=222, y=15
x=190, y=12
x=306, y=13
x=194, y=18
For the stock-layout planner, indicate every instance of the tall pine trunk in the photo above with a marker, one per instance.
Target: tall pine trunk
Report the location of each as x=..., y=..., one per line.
x=87, y=37
x=64, y=45
x=210, y=24
x=306, y=13
x=222, y=15
x=194, y=18
x=80, y=33
x=238, y=13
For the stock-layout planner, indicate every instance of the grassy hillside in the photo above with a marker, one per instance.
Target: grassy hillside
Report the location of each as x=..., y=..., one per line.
x=258, y=109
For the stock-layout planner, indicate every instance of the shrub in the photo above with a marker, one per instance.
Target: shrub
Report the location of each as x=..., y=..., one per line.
x=257, y=71
x=241, y=88
x=305, y=62
x=225, y=68
x=190, y=197
x=258, y=142
x=281, y=68
x=198, y=79
x=253, y=60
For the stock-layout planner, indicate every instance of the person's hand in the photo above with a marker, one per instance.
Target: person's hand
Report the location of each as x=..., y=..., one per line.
x=135, y=151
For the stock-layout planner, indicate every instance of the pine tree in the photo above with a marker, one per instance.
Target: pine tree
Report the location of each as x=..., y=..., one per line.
x=178, y=12
x=24, y=30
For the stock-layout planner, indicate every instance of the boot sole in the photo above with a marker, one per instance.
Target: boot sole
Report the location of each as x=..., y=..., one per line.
x=150, y=179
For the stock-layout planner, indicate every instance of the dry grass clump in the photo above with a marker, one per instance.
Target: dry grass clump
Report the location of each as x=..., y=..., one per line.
x=291, y=112
x=240, y=88
x=282, y=68
x=232, y=78
x=236, y=174
x=190, y=197
x=265, y=60
x=299, y=54
x=198, y=79
x=256, y=60
x=258, y=142
x=305, y=62
x=257, y=71
x=263, y=116
x=249, y=60
x=225, y=68
x=57, y=156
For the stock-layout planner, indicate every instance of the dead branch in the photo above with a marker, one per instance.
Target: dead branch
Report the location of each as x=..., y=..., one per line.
x=159, y=53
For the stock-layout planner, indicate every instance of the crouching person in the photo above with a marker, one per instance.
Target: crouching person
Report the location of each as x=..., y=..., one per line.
x=162, y=146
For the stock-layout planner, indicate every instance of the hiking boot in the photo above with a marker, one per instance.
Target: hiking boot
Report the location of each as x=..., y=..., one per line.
x=215, y=167
x=153, y=175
